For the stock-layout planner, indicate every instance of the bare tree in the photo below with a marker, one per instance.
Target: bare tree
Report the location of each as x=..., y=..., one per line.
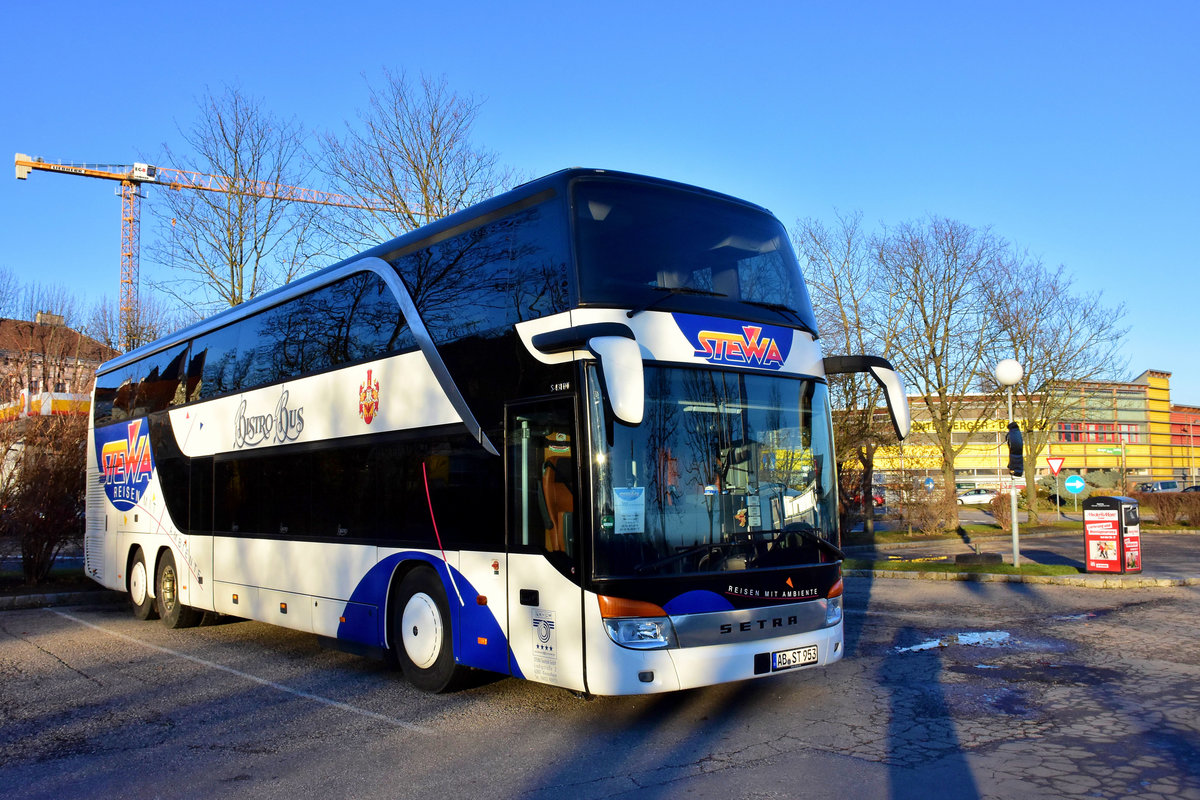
x=219, y=249
x=155, y=317
x=1060, y=339
x=412, y=149
x=10, y=293
x=937, y=272
x=48, y=352
x=854, y=315
x=42, y=488
x=42, y=455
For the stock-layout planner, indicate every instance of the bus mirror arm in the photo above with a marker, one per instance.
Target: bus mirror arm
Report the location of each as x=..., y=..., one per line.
x=886, y=376
x=621, y=372
x=614, y=346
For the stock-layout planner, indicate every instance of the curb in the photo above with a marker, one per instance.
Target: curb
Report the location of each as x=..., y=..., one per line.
x=1088, y=581
x=102, y=597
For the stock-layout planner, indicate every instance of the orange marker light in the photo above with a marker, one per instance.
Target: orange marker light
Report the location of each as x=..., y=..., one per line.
x=611, y=607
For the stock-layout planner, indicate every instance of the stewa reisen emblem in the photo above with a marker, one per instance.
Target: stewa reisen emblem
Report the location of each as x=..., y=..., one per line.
x=368, y=399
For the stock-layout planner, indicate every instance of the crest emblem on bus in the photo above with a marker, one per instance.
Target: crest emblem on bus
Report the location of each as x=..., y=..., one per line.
x=368, y=399
x=126, y=463
x=720, y=341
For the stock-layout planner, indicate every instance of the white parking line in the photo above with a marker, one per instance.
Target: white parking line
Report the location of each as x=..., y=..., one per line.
x=247, y=676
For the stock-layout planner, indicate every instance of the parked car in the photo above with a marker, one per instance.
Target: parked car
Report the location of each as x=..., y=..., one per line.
x=876, y=497
x=1159, y=486
x=1192, y=489
x=977, y=497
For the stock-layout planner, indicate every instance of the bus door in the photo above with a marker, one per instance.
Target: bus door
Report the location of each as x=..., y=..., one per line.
x=544, y=568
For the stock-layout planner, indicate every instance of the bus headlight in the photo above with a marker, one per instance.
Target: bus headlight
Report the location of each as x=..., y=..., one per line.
x=636, y=624
x=833, y=604
x=833, y=611
x=642, y=633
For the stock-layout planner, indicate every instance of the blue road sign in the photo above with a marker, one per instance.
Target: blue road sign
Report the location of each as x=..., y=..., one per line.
x=929, y=484
x=1074, y=484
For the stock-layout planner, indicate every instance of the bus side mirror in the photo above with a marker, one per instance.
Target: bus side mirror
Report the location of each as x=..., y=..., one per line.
x=621, y=371
x=615, y=347
x=886, y=376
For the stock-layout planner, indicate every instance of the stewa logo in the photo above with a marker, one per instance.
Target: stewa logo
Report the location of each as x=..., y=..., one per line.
x=123, y=453
x=740, y=344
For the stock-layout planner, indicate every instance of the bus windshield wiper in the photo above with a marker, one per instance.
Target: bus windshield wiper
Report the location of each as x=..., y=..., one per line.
x=668, y=293
x=807, y=532
x=781, y=308
x=682, y=554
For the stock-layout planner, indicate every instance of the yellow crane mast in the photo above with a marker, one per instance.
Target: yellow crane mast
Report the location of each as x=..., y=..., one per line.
x=131, y=177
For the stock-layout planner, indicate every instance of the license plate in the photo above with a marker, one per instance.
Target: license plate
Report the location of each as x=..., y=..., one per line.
x=800, y=657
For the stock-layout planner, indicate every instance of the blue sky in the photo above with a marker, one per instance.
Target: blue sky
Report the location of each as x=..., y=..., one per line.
x=1071, y=128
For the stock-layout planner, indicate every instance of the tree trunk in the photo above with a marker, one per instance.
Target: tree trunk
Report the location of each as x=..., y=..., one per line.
x=949, y=489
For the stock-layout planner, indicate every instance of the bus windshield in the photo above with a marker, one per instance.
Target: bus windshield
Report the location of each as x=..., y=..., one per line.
x=727, y=471
x=644, y=246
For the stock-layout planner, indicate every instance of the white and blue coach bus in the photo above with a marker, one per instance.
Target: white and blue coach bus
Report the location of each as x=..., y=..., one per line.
x=579, y=433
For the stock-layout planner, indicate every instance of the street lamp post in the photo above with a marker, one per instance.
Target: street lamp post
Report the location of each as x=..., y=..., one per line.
x=1008, y=374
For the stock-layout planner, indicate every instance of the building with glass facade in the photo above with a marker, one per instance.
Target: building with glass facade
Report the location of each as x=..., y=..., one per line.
x=1108, y=426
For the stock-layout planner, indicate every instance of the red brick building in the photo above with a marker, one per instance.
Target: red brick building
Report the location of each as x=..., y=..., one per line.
x=45, y=366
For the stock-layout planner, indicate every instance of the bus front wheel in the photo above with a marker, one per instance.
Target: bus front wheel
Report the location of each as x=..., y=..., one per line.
x=174, y=613
x=139, y=588
x=421, y=635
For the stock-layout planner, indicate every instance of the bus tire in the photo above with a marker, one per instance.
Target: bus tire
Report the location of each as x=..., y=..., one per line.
x=174, y=614
x=421, y=635
x=139, y=587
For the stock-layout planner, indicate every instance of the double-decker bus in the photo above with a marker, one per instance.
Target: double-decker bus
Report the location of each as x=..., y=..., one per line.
x=579, y=433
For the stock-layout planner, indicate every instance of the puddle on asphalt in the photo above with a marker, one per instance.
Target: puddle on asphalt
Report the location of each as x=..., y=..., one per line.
x=980, y=639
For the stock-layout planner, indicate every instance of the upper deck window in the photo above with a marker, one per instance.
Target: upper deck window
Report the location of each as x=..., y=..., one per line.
x=641, y=245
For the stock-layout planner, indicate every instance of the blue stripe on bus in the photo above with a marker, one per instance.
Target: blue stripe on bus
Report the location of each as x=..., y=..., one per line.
x=699, y=601
x=481, y=642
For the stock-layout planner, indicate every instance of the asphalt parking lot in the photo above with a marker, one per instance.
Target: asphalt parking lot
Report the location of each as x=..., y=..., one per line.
x=956, y=689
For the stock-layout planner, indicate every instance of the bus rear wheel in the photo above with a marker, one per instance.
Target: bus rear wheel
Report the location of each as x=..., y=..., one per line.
x=139, y=588
x=174, y=613
x=421, y=635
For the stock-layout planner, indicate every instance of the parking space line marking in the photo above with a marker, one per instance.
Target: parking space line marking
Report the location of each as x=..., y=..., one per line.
x=247, y=676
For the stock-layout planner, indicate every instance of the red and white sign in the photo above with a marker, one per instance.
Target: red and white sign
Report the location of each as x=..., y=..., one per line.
x=1133, y=548
x=1102, y=541
x=1055, y=464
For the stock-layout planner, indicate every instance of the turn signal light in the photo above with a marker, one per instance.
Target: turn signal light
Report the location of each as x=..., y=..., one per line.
x=837, y=589
x=611, y=607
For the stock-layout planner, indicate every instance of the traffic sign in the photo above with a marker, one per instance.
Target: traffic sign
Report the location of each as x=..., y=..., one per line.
x=1074, y=484
x=1055, y=464
x=929, y=484
x=1112, y=451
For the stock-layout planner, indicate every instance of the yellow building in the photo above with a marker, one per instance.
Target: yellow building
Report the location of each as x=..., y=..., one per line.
x=1111, y=426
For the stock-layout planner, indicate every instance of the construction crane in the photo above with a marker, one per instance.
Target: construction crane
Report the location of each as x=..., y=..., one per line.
x=131, y=177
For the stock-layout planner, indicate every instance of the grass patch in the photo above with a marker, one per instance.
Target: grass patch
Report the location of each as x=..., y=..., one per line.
x=950, y=566
x=973, y=530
